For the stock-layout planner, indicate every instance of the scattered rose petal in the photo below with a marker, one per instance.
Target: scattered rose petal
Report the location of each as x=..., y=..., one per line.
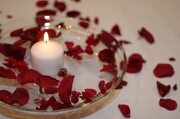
x=108, y=40
x=147, y=35
x=108, y=85
x=175, y=87
x=65, y=88
x=42, y=3
x=125, y=110
x=76, y=0
x=28, y=76
x=96, y=20
x=84, y=24
x=163, y=89
x=19, y=42
x=21, y=96
x=53, y=103
x=172, y=59
x=69, y=44
x=61, y=6
x=16, y=33
x=7, y=73
x=169, y=104
x=163, y=70
x=74, y=52
x=48, y=83
x=6, y=96
x=115, y=30
x=106, y=55
x=73, y=14
x=102, y=87
x=5, y=49
x=44, y=105
x=89, y=50
x=92, y=41
x=88, y=95
x=62, y=72
x=18, y=52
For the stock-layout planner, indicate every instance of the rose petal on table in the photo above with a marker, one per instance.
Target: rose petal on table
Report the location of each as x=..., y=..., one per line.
x=163, y=89
x=21, y=96
x=65, y=88
x=121, y=84
x=115, y=30
x=5, y=49
x=172, y=59
x=84, y=24
x=106, y=55
x=62, y=73
x=108, y=85
x=175, y=87
x=96, y=20
x=135, y=57
x=6, y=96
x=16, y=33
x=18, y=52
x=7, y=73
x=69, y=44
x=28, y=76
x=74, y=52
x=124, y=42
x=147, y=35
x=73, y=13
x=163, y=70
x=19, y=42
x=169, y=104
x=125, y=110
x=42, y=3
x=53, y=103
x=61, y=6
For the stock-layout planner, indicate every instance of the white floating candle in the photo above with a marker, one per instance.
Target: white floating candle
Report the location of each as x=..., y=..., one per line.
x=47, y=56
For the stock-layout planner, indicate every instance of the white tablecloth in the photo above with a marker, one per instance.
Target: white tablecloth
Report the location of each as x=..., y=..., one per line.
x=160, y=17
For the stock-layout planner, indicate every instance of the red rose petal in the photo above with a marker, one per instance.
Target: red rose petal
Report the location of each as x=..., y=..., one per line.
x=19, y=42
x=44, y=105
x=28, y=76
x=101, y=86
x=76, y=0
x=125, y=110
x=172, y=59
x=5, y=49
x=6, y=96
x=7, y=73
x=169, y=104
x=115, y=30
x=16, y=33
x=21, y=96
x=69, y=44
x=53, y=103
x=61, y=6
x=73, y=14
x=74, y=52
x=108, y=85
x=41, y=3
x=84, y=24
x=175, y=87
x=89, y=50
x=96, y=20
x=136, y=58
x=106, y=55
x=108, y=40
x=163, y=70
x=92, y=41
x=88, y=95
x=108, y=67
x=147, y=35
x=65, y=89
x=163, y=89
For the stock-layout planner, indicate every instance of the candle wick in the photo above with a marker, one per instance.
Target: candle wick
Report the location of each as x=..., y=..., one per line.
x=46, y=42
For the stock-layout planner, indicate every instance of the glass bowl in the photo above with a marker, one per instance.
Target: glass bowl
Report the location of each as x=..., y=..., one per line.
x=86, y=71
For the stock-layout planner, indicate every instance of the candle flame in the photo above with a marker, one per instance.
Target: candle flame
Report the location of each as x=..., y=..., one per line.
x=46, y=37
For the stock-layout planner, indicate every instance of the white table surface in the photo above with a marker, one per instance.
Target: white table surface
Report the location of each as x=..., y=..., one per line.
x=160, y=17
